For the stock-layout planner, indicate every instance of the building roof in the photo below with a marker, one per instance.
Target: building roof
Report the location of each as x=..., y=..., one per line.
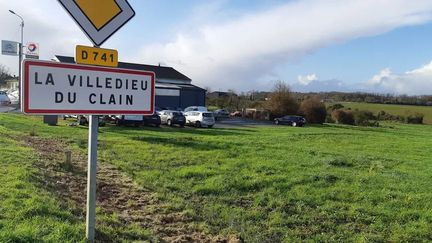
x=160, y=71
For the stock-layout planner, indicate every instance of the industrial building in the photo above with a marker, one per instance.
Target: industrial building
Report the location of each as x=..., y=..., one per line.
x=173, y=89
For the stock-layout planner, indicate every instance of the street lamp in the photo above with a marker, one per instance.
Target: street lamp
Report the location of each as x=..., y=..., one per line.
x=20, y=56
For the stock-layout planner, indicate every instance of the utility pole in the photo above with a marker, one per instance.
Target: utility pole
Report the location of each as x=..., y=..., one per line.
x=20, y=51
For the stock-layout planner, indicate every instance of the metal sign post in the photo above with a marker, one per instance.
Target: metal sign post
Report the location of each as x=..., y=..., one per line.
x=91, y=177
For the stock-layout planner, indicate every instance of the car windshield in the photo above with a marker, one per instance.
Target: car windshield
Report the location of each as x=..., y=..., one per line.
x=207, y=114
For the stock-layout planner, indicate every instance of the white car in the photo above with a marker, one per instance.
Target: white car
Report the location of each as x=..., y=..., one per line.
x=200, y=118
x=4, y=99
x=195, y=108
x=13, y=96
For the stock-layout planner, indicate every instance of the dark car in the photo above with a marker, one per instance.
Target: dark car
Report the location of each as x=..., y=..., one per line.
x=170, y=118
x=154, y=120
x=221, y=113
x=295, y=121
x=124, y=120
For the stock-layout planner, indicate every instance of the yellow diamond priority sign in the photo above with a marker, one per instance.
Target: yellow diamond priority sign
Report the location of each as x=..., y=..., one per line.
x=99, y=19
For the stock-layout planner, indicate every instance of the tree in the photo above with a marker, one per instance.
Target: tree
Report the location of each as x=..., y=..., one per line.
x=314, y=110
x=281, y=101
x=4, y=74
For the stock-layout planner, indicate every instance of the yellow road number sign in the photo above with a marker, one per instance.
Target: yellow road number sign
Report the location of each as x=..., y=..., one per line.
x=96, y=56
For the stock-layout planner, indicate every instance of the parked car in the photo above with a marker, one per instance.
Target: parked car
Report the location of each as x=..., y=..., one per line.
x=13, y=96
x=200, y=118
x=152, y=120
x=221, y=113
x=158, y=109
x=195, y=108
x=172, y=117
x=135, y=120
x=295, y=121
x=4, y=99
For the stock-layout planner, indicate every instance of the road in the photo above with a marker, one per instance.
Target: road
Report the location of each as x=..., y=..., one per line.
x=240, y=122
x=6, y=109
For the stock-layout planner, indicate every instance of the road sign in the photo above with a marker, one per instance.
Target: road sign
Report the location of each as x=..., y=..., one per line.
x=58, y=88
x=10, y=48
x=32, y=50
x=99, y=19
x=96, y=56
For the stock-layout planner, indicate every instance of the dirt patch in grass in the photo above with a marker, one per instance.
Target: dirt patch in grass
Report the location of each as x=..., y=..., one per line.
x=116, y=194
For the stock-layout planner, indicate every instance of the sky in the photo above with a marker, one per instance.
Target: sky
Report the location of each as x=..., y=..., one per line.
x=381, y=46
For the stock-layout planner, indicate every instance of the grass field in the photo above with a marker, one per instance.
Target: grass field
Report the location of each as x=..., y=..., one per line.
x=403, y=110
x=267, y=184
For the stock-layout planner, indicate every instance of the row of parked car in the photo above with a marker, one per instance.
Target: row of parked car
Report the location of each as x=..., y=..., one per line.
x=197, y=116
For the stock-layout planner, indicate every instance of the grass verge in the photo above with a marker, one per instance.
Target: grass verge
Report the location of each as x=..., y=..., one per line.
x=278, y=184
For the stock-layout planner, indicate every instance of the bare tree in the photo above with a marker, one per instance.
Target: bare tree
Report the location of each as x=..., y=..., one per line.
x=208, y=89
x=281, y=101
x=4, y=73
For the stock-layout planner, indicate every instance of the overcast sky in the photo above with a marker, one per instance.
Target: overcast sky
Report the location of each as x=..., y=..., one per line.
x=314, y=45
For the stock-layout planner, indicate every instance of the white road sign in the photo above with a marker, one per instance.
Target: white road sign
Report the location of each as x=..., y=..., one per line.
x=99, y=19
x=58, y=88
x=10, y=48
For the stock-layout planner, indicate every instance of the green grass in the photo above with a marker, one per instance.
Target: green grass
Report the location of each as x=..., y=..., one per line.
x=273, y=184
x=403, y=110
x=27, y=212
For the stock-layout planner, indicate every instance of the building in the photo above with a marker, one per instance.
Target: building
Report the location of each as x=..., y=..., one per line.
x=173, y=89
x=10, y=84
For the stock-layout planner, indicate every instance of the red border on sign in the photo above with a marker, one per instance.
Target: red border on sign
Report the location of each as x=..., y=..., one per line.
x=27, y=110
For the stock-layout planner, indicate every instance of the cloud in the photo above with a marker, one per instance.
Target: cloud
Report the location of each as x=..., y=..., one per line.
x=415, y=82
x=307, y=79
x=331, y=85
x=237, y=53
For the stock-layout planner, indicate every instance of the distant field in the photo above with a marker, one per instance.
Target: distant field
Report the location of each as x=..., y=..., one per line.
x=393, y=109
x=268, y=184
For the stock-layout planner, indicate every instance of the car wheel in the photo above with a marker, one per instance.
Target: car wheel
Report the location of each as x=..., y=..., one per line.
x=197, y=124
x=294, y=124
x=169, y=123
x=277, y=122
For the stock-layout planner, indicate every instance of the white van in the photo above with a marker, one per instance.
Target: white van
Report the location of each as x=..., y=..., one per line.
x=195, y=108
x=200, y=118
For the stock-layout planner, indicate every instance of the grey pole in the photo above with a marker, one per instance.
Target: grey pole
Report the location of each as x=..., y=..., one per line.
x=91, y=178
x=20, y=56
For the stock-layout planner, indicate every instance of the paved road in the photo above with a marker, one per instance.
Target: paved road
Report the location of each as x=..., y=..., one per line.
x=6, y=109
x=240, y=122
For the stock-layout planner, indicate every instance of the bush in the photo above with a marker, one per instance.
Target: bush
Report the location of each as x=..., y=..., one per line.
x=383, y=116
x=314, y=110
x=365, y=118
x=416, y=118
x=335, y=107
x=343, y=117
